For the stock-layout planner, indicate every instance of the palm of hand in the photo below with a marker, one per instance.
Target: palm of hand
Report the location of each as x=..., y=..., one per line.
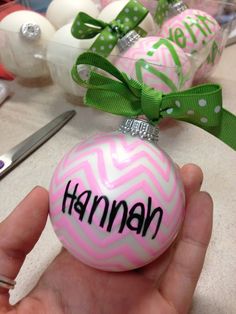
x=164, y=287
x=68, y=286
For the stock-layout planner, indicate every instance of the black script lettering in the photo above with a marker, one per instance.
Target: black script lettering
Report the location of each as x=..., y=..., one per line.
x=150, y=216
x=79, y=206
x=70, y=196
x=139, y=217
x=96, y=202
x=114, y=211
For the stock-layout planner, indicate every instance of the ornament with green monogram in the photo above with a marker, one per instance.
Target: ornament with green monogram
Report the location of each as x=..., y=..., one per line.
x=157, y=62
x=197, y=33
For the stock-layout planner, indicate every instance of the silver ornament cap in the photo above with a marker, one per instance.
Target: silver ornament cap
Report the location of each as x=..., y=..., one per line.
x=177, y=8
x=30, y=31
x=128, y=41
x=140, y=128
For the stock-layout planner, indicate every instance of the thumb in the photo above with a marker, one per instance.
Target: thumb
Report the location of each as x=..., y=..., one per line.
x=19, y=232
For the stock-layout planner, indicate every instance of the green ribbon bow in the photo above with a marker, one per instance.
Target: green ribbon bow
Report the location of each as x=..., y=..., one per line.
x=200, y=105
x=162, y=10
x=128, y=19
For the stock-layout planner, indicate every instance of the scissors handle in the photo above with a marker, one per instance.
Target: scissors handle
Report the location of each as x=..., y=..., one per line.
x=5, y=163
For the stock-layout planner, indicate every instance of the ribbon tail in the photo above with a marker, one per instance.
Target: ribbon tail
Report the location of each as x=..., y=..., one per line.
x=226, y=132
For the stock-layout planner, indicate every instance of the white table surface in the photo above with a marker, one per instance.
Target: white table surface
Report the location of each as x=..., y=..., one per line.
x=30, y=107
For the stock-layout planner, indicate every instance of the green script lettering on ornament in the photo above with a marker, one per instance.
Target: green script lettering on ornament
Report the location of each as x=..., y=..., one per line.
x=201, y=23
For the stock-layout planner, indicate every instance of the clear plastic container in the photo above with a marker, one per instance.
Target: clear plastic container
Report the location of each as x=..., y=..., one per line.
x=48, y=57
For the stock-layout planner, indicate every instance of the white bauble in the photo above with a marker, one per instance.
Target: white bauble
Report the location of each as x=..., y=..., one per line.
x=61, y=12
x=20, y=55
x=62, y=52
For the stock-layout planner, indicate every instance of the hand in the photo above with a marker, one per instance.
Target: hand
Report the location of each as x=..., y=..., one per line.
x=164, y=287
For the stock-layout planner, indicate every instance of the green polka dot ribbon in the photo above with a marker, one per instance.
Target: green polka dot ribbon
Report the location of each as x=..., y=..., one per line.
x=200, y=105
x=162, y=10
x=128, y=19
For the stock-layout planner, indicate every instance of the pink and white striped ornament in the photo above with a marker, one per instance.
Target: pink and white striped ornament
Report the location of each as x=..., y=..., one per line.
x=157, y=62
x=116, y=202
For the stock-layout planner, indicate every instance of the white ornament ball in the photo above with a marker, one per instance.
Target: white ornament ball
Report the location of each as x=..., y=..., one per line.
x=110, y=12
x=24, y=37
x=62, y=51
x=61, y=12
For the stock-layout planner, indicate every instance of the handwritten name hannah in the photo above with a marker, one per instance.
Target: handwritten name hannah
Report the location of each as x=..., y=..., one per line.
x=138, y=218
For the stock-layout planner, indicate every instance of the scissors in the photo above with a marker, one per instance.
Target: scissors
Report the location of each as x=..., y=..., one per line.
x=19, y=152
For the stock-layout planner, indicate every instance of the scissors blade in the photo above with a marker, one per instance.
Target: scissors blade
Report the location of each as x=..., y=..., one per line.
x=19, y=152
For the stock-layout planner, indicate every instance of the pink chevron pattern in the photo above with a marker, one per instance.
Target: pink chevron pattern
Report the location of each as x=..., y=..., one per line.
x=204, y=34
x=161, y=60
x=122, y=168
